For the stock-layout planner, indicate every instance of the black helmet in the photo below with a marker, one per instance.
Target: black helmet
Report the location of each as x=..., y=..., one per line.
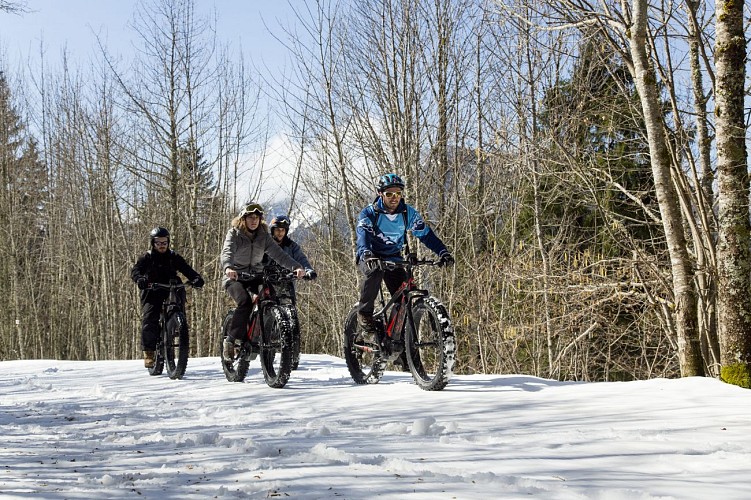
x=251, y=208
x=158, y=232
x=280, y=221
x=388, y=181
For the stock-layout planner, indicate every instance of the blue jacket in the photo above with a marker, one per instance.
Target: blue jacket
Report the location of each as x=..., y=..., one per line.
x=384, y=234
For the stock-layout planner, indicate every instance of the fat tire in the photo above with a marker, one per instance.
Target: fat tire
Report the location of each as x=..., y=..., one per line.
x=276, y=346
x=431, y=349
x=158, y=367
x=296, y=340
x=176, y=340
x=237, y=370
x=364, y=368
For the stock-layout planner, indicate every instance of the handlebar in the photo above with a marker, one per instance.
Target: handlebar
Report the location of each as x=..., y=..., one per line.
x=390, y=265
x=269, y=273
x=168, y=286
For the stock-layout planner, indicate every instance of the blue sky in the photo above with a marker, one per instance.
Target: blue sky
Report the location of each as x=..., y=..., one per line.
x=73, y=24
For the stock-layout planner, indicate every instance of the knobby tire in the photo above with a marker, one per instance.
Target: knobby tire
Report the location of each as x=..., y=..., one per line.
x=431, y=349
x=365, y=367
x=176, y=346
x=236, y=370
x=276, y=346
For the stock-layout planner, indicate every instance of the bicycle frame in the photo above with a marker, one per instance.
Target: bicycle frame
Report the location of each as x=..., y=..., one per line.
x=172, y=304
x=403, y=298
x=173, y=343
x=261, y=300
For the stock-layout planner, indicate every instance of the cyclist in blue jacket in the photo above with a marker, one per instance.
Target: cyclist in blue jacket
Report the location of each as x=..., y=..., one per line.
x=381, y=233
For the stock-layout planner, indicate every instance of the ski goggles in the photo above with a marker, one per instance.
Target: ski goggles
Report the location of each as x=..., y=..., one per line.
x=253, y=208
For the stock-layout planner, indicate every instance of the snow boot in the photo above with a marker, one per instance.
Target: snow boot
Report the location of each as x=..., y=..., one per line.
x=149, y=359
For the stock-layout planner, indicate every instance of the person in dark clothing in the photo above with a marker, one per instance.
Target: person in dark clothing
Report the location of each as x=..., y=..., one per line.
x=159, y=265
x=279, y=229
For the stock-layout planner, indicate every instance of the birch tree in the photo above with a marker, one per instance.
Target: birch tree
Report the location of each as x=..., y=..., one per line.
x=734, y=260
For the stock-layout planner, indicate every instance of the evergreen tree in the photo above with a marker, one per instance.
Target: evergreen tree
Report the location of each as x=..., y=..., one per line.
x=23, y=197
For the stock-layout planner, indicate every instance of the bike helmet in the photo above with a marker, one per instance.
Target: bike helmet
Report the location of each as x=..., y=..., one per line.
x=251, y=208
x=158, y=232
x=280, y=221
x=388, y=181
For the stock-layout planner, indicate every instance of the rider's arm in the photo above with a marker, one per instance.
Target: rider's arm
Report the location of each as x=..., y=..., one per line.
x=279, y=255
x=228, y=250
x=364, y=231
x=416, y=224
x=141, y=268
x=297, y=254
x=182, y=265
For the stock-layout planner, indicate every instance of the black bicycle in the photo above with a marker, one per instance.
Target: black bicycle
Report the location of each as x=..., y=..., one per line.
x=412, y=322
x=269, y=333
x=173, y=344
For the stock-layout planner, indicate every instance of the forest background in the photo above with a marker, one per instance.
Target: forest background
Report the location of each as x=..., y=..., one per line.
x=584, y=161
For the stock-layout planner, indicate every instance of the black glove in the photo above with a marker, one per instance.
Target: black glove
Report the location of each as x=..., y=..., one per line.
x=197, y=282
x=310, y=274
x=446, y=260
x=142, y=283
x=371, y=261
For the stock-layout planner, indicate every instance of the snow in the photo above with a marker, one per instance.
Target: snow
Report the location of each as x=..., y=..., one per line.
x=106, y=429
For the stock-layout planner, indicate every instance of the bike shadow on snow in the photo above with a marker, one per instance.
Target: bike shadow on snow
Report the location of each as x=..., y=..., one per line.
x=315, y=371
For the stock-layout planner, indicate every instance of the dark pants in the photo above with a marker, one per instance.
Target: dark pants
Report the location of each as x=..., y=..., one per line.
x=372, y=284
x=285, y=291
x=239, y=324
x=151, y=308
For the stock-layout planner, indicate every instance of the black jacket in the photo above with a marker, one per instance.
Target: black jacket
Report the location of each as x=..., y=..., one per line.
x=161, y=267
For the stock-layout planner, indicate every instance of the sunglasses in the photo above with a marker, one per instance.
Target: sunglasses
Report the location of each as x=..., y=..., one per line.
x=392, y=194
x=161, y=243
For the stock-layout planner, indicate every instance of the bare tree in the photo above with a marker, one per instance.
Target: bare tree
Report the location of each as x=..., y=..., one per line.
x=14, y=7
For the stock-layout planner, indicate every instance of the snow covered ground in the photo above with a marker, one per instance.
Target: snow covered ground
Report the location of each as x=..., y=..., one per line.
x=106, y=429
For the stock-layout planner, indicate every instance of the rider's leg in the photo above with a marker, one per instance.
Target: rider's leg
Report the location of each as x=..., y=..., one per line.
x=393, y=278
x=371, y=285
x=238, y=325
x=150, y=310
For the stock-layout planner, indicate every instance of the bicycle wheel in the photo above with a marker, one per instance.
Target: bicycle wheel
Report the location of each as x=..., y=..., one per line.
x=363, y=359
x=431, y=347
x=296, y=341
x=276, y=346
x=176, y=345
x=237, y=369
